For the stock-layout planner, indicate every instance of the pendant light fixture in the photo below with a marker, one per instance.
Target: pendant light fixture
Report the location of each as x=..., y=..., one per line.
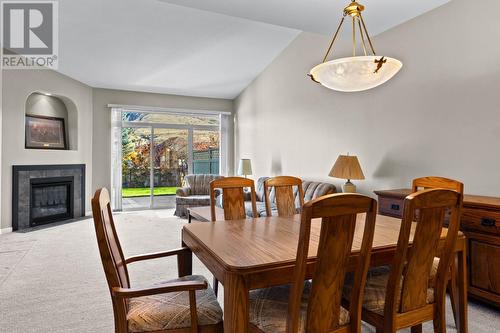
x=356, y=73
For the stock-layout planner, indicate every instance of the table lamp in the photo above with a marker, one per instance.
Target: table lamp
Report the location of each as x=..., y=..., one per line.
x=245, y=167
x=347, y=167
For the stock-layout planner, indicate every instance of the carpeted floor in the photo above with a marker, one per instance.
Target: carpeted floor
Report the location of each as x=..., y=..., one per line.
x=51, y=279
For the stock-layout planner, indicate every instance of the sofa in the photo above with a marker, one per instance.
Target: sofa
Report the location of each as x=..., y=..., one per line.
x=311, y=189
x=195, y=193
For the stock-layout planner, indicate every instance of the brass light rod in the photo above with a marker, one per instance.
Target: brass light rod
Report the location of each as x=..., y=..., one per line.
x=353, y=10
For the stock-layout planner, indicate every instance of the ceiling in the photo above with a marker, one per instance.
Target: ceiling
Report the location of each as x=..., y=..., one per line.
x=209, y=48
x=320, y=16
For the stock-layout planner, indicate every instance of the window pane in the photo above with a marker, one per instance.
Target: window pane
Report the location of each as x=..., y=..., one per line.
x=135, y=167
x=170, y=159
x=167, y=118
x=206, y=152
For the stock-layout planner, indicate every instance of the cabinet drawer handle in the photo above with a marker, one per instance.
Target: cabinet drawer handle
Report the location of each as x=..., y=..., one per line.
x=395, y=207
x=486, y=222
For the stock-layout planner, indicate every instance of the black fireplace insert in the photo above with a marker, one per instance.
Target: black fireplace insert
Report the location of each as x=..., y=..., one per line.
x=51, y=200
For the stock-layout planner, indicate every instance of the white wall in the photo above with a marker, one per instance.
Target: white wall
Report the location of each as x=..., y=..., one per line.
x=102, y=121
x=17, y=86
x=438, y=116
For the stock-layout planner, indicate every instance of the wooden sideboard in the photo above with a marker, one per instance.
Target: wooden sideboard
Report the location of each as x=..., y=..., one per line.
x=480, y=223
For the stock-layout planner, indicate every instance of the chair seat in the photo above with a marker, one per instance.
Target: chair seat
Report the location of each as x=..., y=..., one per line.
x=269, y=309
x=376, y=283
x=171, y=310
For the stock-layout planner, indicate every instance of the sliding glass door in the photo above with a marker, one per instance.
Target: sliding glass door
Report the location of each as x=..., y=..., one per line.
x=156, y=151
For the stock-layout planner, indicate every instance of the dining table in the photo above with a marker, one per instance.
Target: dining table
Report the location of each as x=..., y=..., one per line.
x=260, y=252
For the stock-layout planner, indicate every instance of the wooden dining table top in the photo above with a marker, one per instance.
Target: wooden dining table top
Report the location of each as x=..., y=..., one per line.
x=266, y=242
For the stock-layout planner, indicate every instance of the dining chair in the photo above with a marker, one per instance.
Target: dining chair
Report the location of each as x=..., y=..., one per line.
x=437, y=182
x=450, y=184
x=233, y=202
x=233, y=197
x=283, y=194
x=401, y=296
x=182, y=305
x=315, y=305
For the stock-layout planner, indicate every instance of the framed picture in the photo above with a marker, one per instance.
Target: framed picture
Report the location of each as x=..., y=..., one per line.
x=45, y=132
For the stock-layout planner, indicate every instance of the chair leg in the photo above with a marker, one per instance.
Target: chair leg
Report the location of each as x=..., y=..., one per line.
x=439, y=325
x=439, y=320
x=216, y=286
x=416, y=328
x=453, y=291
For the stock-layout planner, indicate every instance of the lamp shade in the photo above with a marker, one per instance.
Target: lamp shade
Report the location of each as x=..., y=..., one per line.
x=347, y=167
x=245, y=167
x=355, y=73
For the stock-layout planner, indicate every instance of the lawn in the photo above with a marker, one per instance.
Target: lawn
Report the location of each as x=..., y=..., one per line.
x=145, y=191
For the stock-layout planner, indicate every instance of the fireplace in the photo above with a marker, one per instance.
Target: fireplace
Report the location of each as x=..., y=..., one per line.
x=51, y=200
x=44, y=194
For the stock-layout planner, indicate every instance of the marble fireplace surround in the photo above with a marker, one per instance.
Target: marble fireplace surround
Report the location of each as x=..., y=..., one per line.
x=21, y=176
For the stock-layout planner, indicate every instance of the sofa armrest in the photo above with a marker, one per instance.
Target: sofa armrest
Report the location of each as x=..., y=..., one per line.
x=183, y=191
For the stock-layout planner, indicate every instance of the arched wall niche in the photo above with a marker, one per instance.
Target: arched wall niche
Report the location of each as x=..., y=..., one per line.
x=52, y=105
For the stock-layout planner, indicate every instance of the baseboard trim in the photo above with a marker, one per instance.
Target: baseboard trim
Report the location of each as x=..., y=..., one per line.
x=5, y=230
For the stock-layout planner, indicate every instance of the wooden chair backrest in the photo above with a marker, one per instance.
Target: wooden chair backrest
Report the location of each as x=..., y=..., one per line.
x=339, y=218
x=411, y=268
x=283, y=191
x=112, y=257
x=111, y=252
x=233, y=197
x=424, y=183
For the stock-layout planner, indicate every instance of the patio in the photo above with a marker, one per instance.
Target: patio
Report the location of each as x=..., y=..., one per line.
x=162, y=201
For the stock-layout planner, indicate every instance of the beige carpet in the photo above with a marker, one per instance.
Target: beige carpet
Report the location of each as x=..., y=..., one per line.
x=51, y=279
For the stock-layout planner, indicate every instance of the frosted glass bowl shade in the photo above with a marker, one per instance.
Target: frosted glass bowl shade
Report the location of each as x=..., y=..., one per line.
x=355, y=73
